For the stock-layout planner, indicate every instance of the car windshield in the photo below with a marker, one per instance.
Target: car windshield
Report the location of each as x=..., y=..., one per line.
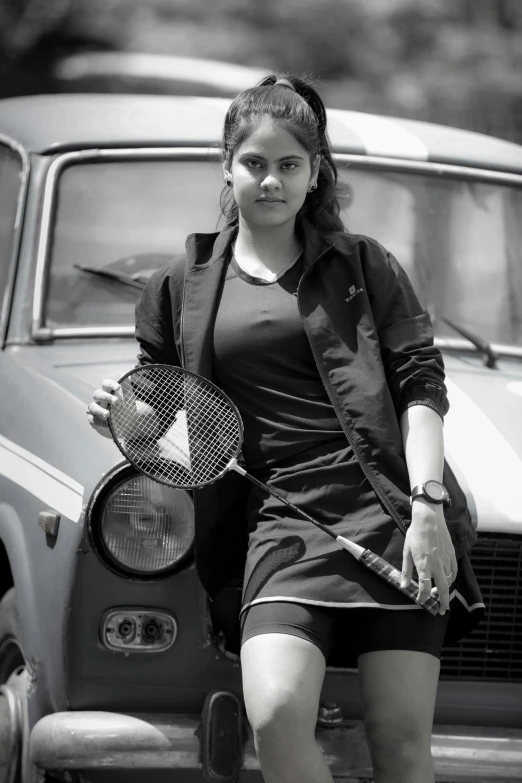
x=128, y=217
x=459, y=240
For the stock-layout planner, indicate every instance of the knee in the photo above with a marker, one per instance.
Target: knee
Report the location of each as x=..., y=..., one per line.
x=278, y=715
x=402, y=739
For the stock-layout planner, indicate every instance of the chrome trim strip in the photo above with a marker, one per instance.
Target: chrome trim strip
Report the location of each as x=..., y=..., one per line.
x=44, y=335
x=45, y=227
x=426, y=167
x=7, y=300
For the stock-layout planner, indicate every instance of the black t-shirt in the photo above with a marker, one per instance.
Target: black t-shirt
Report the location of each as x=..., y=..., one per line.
x=262, y=359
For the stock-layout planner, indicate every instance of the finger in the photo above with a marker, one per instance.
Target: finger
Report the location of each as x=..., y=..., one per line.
x=442, y=585
x=425, y=586
x=100, y=426
x=448, y=573
x=407, y=567
x=98, y=412
x=109, y=385
x=454, y=567
x=101, y=397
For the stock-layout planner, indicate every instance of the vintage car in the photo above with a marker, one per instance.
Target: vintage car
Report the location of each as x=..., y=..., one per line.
x=113, y=662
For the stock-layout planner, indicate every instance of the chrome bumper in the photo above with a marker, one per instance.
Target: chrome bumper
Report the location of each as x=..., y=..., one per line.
x=113, y=741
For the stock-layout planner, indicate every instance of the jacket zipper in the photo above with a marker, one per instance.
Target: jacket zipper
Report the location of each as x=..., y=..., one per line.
x=340, y=413
x=181, y=339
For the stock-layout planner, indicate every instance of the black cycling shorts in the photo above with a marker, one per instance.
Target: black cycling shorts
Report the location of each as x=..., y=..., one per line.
x=354, y=631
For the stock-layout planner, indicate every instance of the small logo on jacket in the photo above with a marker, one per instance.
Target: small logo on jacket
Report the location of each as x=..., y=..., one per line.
x=353, y=292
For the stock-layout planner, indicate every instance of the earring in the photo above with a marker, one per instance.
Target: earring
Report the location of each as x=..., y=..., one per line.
x=228, y=179
x=312, y=187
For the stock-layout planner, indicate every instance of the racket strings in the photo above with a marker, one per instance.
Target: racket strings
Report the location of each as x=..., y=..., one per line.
x=174, y=426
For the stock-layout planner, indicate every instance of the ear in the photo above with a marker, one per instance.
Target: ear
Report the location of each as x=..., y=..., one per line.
x=226, y=174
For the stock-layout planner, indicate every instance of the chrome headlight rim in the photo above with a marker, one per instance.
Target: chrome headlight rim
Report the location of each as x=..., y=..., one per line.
x=93, y=516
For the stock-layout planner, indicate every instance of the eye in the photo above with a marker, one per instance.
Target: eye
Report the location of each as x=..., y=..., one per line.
x=289, y=166
x=252, y=164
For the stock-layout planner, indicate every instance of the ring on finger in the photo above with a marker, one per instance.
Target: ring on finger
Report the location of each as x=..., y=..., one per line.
x=426, y=579
x=448, y=576
x=88, y=411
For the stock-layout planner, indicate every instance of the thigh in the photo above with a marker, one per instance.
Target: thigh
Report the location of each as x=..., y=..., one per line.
x=399, y=666
x=398, y=689
x=282, y=662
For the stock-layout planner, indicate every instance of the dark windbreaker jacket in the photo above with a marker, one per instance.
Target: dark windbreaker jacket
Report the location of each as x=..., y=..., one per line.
x=373, y=346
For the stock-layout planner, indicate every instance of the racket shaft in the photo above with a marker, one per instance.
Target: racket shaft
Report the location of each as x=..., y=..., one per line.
x=390, y=574
x=368, y=558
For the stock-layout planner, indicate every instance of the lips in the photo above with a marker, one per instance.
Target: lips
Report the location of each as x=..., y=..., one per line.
x=270, y=200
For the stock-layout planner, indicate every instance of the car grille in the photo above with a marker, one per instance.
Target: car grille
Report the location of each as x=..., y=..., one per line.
x=493, y=651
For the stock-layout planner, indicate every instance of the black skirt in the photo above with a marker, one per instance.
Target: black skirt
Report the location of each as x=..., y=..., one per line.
x=288, y=558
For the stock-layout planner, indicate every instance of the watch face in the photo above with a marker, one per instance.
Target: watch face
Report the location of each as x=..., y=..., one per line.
x=435, y=490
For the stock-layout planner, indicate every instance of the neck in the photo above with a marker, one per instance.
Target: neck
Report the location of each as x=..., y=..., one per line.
x=265, y=247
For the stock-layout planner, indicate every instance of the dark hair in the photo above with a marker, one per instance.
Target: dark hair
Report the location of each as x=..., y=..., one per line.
x=302, y=112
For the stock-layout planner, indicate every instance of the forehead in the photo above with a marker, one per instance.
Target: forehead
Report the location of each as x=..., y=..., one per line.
x=269, y=137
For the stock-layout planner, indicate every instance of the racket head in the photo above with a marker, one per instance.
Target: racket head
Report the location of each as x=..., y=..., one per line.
x=175, y=426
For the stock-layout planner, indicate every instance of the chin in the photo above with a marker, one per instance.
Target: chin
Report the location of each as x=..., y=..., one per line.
x=264, y=217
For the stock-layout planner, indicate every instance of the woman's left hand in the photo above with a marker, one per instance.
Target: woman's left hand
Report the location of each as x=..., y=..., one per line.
x=428, y=546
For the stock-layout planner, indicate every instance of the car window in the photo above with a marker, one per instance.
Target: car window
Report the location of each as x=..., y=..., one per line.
x=10, y=184
x=460, y=241
x=130, y=217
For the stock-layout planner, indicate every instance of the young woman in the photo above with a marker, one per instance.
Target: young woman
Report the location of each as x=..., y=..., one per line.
x=317, y=336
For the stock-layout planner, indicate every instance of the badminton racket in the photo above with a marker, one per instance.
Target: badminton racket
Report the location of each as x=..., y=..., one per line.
x=182, y=430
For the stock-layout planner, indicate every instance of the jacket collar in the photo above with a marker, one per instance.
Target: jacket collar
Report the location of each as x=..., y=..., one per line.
x=204, y=250
x=206, y=269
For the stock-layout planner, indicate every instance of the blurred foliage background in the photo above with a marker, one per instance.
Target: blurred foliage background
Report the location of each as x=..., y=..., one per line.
x=452, y=61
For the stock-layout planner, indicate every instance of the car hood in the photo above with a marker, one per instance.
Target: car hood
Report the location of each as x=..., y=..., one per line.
x=483, y=438
x=482, y=430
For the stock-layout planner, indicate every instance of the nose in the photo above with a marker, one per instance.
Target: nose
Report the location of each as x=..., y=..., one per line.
x=271, y=182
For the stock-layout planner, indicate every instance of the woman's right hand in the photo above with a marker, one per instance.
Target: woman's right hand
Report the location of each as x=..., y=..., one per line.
x=99, y=407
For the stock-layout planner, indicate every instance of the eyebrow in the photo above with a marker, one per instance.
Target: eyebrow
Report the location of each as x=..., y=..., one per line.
x=260, y=157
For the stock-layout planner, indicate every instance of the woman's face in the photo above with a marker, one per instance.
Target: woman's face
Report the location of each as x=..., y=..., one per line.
x=271, y=174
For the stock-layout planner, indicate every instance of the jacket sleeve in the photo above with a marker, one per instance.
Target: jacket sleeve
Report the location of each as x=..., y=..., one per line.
x=154, y=322
x=414, y=367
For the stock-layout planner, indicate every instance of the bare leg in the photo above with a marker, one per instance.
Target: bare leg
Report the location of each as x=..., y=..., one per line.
x=398, y=690
x=282, y=680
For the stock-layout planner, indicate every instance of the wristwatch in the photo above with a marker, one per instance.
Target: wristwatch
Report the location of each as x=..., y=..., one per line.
x=433, y=491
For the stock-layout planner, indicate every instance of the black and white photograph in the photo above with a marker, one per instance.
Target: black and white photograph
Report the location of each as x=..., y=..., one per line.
x=260, y=391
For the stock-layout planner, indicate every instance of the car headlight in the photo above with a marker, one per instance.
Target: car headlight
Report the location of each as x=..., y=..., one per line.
x=143, y=527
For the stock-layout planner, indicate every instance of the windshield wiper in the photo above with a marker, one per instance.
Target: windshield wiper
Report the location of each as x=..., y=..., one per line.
x=476, y=340
x=110, y=274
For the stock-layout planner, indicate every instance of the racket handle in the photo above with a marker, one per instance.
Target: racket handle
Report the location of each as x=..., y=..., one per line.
x=390, y=574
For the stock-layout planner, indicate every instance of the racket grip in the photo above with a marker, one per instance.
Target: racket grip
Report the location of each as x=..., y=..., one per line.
x=390, y=574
